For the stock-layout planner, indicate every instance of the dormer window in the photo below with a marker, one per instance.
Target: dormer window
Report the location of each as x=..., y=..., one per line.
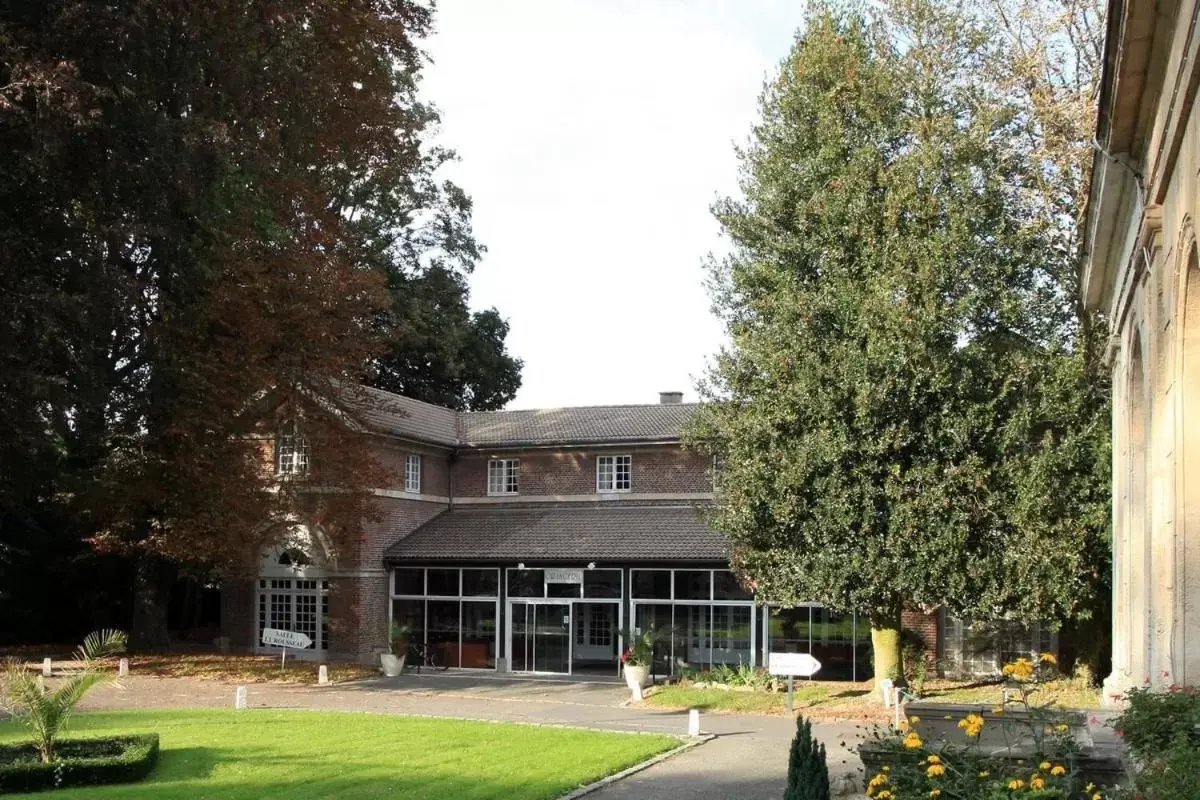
x=504, y=476
x=614, y=474
x=291, y=451
x=412, y=474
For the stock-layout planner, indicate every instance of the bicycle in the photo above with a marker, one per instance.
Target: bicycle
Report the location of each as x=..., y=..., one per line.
x=420, y=655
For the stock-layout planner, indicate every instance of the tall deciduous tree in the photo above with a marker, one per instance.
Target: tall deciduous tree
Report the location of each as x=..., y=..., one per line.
x=207, y=201
x=904, y=397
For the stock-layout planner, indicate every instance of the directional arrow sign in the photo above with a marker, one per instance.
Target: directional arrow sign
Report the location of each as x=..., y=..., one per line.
x=800, y=665
x=277, y=638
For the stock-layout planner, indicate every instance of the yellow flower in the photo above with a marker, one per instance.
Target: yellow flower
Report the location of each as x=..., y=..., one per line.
x=1058, y=771
x=935, y=770
x=1097, y=796
x=903, y=725
x=885, y=768
x=935, y=792
x=878, y=780
x=934, y=758
x=1062, y=727
x=885, y=795
x=914, y=720
x=984, y=774
x=1048, y=658
x=1020, y=669
x=1015, y=784
x=1044, y=765
x=912, y=741
x=1037, y=782
x=971, y=724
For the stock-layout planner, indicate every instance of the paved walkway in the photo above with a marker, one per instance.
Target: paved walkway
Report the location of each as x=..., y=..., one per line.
x=746, y=760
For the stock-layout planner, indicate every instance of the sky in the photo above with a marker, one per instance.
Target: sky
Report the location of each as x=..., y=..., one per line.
x=593, y=137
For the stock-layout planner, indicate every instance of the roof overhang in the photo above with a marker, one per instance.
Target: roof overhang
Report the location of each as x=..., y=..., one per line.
x=1137, y=47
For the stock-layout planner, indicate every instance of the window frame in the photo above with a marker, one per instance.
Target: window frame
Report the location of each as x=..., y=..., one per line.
x=297, y=459
x=509, y=474
x=412, y=466
x=614, y=474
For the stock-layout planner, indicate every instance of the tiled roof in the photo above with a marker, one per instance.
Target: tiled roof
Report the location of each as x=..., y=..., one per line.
x=402, y=416
x=587, y=533
x=583, y=425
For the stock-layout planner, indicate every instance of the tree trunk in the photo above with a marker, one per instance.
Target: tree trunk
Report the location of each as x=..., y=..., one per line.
x=152, y=582
x=885, y=642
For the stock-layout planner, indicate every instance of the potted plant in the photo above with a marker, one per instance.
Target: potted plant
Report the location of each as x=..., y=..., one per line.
x=393, y=660
x=636, y=661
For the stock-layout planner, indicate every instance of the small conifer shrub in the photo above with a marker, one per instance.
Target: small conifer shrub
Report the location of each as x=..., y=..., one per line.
x=808, y=775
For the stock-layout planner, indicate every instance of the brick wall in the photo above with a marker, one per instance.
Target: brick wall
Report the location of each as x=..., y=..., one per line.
x=358, y=613
x=927, y=626
x=667, y=469
x=398, y=518
x=435, y=465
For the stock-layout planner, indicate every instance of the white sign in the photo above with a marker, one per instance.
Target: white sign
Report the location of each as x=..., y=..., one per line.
x=278, y=638
x=564, y=576
x=799, y=664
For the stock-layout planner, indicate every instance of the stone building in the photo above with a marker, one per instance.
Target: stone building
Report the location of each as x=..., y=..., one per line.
x=1141, y=272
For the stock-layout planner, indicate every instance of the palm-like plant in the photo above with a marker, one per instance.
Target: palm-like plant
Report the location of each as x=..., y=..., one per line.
x=44, y=711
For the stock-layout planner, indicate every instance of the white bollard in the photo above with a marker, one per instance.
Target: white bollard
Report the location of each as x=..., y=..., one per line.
x=123, y=668
x=693, y=722
x=323, y=675
x=885, y=688
x=46, y=667
x=239, y=698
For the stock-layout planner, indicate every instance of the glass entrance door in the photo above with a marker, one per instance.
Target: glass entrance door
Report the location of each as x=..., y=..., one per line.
x=541, y=636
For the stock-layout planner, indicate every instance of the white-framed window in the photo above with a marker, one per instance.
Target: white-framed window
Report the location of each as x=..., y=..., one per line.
x=295, y=604
x=613, y=473
x=504, y=476
x=412, y=473
x=291, y=451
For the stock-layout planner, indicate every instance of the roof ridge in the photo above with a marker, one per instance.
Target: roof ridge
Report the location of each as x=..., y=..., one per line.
x=578, y=408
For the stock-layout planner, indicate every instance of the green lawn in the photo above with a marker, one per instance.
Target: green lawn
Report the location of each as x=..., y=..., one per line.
x=845, y=700
x=304, y=755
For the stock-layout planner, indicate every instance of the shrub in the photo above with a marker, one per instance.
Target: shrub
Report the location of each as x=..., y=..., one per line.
x=80, y=762
x=45, y=711
x=1162, y=730
x=913, y=650
x=1154, y=720
x=1172, y=775
x=808, y=774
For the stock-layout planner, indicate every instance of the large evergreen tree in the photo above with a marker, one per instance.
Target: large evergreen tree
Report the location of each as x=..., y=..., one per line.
x=904, y=417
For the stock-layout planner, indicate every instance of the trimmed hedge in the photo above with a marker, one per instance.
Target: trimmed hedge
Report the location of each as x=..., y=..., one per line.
x=78, y=762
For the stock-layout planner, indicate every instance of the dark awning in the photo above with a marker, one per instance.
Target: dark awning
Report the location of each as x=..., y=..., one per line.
x=588, y=533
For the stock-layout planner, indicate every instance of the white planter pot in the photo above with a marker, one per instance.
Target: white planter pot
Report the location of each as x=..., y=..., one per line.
x=637, y=677
x=392, y=665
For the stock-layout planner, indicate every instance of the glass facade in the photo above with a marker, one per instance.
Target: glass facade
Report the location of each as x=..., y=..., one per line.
x=454, y=612
x=708, y=616
x=836, y=640
x=569, y=620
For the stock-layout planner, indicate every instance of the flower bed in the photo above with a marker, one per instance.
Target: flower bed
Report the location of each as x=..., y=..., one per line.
x=1016, y=749
x=79, y=762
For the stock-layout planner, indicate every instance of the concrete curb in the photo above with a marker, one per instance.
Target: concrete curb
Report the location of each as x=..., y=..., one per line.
x=625, y=773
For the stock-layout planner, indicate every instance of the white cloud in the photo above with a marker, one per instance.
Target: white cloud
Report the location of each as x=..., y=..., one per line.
x=594, y=135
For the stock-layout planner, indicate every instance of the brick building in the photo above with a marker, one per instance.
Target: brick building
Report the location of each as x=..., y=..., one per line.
x=528, y=541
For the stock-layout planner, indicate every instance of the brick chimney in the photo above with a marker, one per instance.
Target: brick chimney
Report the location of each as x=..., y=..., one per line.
x=670, y=398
